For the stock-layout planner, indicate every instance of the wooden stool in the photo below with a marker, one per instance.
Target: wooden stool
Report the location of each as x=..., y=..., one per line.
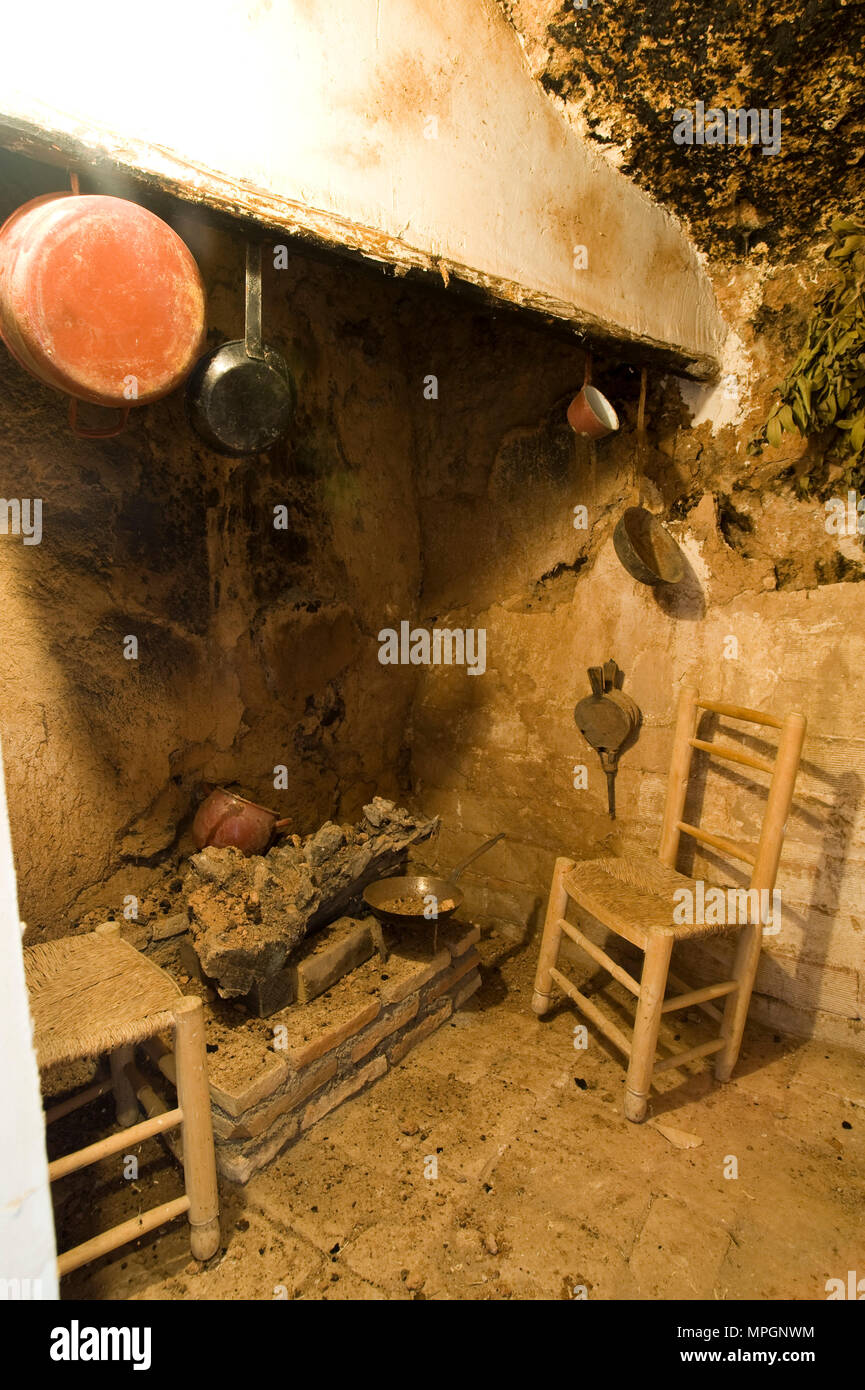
x=95, y=994
x=634, y=897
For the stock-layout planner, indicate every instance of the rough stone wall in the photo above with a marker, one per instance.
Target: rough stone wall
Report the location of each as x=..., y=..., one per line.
x=259, y=647
x=498, y=751
x=255, y=644
x=764, y=569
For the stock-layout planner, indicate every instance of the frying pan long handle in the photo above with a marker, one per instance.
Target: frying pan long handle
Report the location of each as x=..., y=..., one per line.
x=253, y=340
x=475, y=854
x=641, y=439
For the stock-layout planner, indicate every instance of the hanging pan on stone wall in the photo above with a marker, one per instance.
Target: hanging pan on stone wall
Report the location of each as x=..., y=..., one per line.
x=100, y=299
x=644, y=546
x=419, y=899
x=241, y=396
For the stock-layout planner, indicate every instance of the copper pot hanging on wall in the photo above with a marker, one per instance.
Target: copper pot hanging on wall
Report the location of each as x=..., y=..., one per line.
x=99, y=298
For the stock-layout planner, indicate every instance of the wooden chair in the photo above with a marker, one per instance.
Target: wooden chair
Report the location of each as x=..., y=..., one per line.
x=633, y=897
x=96, y=994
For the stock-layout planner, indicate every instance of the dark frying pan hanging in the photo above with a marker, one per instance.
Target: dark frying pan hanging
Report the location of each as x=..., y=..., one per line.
x=644, y=546
x=241, y=396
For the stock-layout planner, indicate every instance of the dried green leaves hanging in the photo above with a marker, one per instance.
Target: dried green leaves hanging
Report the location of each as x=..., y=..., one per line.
x=825, y=388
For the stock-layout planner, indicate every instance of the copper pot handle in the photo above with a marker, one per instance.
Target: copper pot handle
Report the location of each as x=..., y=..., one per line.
x=96, y=434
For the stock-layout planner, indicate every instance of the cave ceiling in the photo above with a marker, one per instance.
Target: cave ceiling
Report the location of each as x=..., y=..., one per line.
x=622, y=70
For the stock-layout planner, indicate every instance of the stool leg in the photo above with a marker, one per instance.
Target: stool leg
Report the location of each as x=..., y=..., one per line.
x=748, y=950
x=193, y=1094
x=125, y=1099
x=653, y=983
x=551, y=939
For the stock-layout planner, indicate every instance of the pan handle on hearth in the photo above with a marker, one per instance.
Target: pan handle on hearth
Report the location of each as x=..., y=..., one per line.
x=475, y=854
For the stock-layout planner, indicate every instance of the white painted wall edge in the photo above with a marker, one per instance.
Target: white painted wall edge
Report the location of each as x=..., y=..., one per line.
x=409, y=132
x=27, y=1246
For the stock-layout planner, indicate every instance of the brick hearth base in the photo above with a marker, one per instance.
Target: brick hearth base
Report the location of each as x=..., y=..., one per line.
x=306, y=1060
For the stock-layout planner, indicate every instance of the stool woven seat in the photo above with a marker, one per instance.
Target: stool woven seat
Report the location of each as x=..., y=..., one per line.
x=96, y=994
x=92, y=994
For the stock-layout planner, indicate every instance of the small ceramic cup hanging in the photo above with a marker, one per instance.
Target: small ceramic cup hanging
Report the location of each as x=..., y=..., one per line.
x=590, y=413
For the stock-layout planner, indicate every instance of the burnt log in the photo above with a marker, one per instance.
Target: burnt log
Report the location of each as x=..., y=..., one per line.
x=247, y=915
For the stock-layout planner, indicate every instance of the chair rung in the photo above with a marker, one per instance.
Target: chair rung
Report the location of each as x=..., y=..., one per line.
x=66, y=1107
x=120, y=1235
x=600, y=956
x=750, y=716
x=163, y=1058
x=592, y=1011
x=698, y=996
x=707, y=837
x=115, y=1143
x=153, y=1105
x=680, y=1058
x=678, y=983
x=734, y=755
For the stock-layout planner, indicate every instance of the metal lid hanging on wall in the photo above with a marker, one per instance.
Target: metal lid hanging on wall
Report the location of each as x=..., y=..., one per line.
x=644, y=546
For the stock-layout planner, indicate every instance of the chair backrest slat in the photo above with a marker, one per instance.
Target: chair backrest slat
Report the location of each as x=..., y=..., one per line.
x=728, y=847
x=783, y=769
x=680, y=771
x=750, y=716
x=733, y=755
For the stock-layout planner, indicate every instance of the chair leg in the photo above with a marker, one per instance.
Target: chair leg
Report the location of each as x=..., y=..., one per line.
x=125, y=1099
x=748, y=950
x=653, y=984
x=193, y=1094
x=551, y=939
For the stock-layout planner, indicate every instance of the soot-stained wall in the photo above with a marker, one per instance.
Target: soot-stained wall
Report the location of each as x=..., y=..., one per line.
x=256, y=645
x=449, y=506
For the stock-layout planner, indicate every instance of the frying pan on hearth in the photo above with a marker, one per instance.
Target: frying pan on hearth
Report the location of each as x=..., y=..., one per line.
x=386, y=891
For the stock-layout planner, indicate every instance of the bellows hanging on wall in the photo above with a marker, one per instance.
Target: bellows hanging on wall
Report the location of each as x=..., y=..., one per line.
x=607, y=719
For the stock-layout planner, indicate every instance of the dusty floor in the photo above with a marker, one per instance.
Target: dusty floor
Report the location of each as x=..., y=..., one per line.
x=542, y=1187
